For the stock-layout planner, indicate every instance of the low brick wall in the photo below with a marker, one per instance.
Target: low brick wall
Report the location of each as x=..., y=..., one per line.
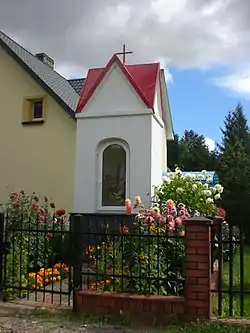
x=136, y=307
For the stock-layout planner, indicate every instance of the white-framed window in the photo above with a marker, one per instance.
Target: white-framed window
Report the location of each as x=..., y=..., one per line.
x=113, y=175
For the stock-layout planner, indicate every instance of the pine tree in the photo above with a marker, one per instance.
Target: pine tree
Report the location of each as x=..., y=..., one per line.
x=236, y=128
x=234, y=167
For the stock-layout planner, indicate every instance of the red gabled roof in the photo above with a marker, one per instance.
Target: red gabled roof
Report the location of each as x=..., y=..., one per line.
x=143, y=78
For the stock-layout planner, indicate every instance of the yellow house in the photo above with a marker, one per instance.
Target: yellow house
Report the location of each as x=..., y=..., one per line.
x=37, y=125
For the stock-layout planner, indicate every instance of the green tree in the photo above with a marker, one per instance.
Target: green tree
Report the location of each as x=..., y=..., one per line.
x=194, y=154
x=234, y=168
x=236, y=128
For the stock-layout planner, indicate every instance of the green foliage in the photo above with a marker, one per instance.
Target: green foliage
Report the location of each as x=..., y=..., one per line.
x=190, y=153
x=199, y=198
x=38, y=220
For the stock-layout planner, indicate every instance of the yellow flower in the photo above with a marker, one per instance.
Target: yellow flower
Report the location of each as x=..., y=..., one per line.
x=142, y=256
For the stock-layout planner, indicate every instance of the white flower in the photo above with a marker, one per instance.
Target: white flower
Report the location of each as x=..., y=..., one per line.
x=217, y=196
x=196, y=213
x=194, y=186
x=208, y=193
x=209, y=200
x=209, y=180
x=203, y=172
x=171, y=175
x=178, y=172
x=193, y=176
x=188, y=176
x=166, y=179
x=156, y=205
x=179, y=190
x=205, y=185
x=200, y=176
x=219, y=188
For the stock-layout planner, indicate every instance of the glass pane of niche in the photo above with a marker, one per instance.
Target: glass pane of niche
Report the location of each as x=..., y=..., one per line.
x=113, y=176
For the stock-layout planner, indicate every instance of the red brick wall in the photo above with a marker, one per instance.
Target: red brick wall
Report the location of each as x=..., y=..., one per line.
x=139, y=307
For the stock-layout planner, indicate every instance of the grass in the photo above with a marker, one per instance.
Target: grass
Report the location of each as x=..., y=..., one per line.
x=234, y=301
x=52, y=321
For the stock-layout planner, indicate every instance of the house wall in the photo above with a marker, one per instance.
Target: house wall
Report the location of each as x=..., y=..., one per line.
x=158, y=157
x=36, y=158
x=133, y=129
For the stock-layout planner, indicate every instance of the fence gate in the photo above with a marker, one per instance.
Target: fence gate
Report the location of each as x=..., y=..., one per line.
x=35, y=263
x=231, y=268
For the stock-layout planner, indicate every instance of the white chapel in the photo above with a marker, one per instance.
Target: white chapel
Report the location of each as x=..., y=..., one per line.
x=123, y=125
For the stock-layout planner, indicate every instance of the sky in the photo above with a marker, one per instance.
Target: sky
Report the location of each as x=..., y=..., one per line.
x=203, y=45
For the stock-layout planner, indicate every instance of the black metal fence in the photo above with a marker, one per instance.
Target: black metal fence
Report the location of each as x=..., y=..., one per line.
x=122, y=254
x=231, y=260
x=34, y=260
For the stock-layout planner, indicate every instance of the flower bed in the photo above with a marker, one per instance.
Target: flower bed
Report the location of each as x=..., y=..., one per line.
x=47, y=276
x=148, y=259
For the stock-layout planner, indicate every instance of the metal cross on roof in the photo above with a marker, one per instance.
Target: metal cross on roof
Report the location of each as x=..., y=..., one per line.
x=123, y=53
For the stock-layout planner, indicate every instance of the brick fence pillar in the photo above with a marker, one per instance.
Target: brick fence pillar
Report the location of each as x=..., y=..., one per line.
x=198, y=297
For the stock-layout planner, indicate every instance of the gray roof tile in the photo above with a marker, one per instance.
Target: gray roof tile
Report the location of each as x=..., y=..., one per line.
x=61, y=88
x=77, y=84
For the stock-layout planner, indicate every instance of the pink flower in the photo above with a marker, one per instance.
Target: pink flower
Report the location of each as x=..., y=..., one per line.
x=157, y=215
x=149, y=219
x=14, y=195
x=149, y=212
x=162, y=220
x=42, y=218
x=46, y=199
x=178, y=221
x=170, y=218
x=172, y=225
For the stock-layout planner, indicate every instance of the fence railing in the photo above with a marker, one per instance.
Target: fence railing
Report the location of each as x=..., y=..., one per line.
x=133, y=256
x=34, y=258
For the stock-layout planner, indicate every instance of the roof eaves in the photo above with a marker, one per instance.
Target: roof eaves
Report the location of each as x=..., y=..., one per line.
x=68, y=110
x=113, y=60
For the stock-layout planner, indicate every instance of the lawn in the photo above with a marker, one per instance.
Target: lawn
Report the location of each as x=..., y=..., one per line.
x=232, y=303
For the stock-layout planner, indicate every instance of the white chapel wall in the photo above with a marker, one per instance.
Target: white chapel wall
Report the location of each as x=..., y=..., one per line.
x=133, y=129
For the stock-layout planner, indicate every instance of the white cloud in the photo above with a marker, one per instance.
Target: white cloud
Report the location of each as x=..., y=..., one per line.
x=83, y=34
x=210, y=143
x=238, y=82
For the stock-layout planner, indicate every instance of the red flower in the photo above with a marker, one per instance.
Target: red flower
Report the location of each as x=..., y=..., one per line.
x=42, y=210
x=221, y=212
x=60, y=212
x=52, y=205
x=49, y=236
x=14, y=195
x=35, y=198
x=46, y=211
x=46, y=199
x=42, y=218
x=35, y=206
x=124, y=229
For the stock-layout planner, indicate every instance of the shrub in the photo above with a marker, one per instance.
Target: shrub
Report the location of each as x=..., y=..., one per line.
x=198, y=196
x=148, y=258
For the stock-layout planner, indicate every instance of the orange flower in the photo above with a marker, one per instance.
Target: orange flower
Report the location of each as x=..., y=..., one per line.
x=129, y=209
x=170, y=203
